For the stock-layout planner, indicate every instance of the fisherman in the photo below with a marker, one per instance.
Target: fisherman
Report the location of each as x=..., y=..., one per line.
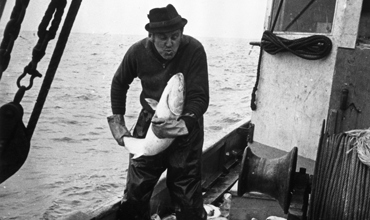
x=165, y=52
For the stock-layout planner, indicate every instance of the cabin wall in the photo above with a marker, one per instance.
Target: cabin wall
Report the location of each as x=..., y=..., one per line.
x=292, y=101
x=364, y=29
x=294, y=94
x=350, y=111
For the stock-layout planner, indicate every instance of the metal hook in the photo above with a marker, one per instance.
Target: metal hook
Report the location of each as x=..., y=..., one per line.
x=30, y=70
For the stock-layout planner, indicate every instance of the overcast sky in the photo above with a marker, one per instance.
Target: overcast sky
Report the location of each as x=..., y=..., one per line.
x=206, y=18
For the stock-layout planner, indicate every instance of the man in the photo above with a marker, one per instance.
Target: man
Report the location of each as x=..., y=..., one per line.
x=165, y=52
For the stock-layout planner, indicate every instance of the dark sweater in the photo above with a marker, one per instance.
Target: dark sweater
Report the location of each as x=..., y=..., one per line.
x=143, y=61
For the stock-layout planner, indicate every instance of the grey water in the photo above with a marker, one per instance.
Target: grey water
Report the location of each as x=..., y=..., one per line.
x=74, y=163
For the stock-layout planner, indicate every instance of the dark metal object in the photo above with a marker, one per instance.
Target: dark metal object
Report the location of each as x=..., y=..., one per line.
x=250, y=137
x=14, y=145
x=272, y=177
x=14, y=137
x=301, y=190
x=247, y=132
x=344, y=100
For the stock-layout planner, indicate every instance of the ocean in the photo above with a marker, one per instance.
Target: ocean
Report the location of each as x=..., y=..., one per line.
x=74, y=162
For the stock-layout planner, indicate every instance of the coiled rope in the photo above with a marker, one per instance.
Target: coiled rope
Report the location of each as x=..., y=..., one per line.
x=341, y=183
x=310, y=48
x=314, y=47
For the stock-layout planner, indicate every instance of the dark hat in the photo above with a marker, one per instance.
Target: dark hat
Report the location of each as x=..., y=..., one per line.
x=164, y=20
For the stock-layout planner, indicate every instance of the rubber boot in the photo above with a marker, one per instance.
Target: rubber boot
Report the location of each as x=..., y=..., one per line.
x=193, y=214
x=130, y=211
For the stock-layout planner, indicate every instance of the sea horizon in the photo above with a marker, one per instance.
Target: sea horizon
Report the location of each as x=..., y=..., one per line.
x=74, y=162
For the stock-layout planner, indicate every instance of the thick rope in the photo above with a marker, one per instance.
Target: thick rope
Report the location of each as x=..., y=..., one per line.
x=53, y=66
x=56, y=8
x=311, y=48
x=255, y=88
x=11, y=33
x=341, y=182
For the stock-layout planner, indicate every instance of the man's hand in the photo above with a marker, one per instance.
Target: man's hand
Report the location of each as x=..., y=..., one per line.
x=118, y=128
x=168, y=128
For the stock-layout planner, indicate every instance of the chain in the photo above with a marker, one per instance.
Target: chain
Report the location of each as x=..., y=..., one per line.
x=56, y=8
x=11, y=33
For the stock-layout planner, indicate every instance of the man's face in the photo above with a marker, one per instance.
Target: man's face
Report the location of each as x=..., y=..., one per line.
x=168, y=43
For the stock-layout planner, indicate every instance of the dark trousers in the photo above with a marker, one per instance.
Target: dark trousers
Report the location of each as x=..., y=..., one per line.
x=183, y=163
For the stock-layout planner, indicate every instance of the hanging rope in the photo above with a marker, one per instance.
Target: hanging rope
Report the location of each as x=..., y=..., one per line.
x=11, y=33
x=310, y=48
x=53, y=66
x=15, y=141
x=255, y=88
x=56, y=8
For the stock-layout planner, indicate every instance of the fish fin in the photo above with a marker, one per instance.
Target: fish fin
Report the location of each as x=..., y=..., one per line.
x=134, y=146
x=152, y=103
x=136, y=156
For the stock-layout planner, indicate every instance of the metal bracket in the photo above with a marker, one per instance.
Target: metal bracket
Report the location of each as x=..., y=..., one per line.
x=248, y=132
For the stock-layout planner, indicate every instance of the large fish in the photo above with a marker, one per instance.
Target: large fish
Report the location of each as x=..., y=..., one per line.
x=170, y=106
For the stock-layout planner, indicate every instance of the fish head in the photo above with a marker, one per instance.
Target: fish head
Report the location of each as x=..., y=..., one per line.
x=176, y=95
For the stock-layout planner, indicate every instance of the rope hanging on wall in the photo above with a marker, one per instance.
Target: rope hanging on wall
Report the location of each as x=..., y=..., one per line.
x=311, y=48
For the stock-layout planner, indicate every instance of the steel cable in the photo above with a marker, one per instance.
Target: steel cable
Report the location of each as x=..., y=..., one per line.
x=341, y=183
